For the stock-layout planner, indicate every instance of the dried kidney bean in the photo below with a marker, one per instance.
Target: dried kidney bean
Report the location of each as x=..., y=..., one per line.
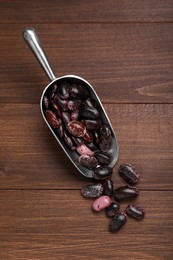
x=105, y=138
x=108, y=187
x=129, y=173
x=52, y=119
x=82, y=149
x=92, y=190
x=55, y=108
x=66, y=117
x=88, y=137
x=61, y=102
x=118, y=221
x=105, y=134
x=76, y=128
x=89, y=102
x=102, y=172
x=112, y=209
x=45, y=102
x=92, y=124
x=88, y=112
x=60, y=131
x=69, y=141
x=52, y=90
x=102, y=158
x=74, y=104
x=135, y=211
x=101, y=203
x=88, y=161
x=75, y=115
x=96, y=137
x=125, y=193
x=64, y=90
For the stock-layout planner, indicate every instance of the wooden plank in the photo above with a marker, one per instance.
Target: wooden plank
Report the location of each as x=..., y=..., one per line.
x=32, y=159
x=51, y=225
x=86, y=11
x=125, y=63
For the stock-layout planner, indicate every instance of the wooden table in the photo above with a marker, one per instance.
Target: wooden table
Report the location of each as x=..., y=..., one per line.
x=125, y=50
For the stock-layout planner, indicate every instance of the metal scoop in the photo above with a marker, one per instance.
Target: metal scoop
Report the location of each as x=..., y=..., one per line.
x=34, y=43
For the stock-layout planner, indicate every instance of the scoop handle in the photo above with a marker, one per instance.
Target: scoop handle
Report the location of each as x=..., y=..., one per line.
x=34, y=43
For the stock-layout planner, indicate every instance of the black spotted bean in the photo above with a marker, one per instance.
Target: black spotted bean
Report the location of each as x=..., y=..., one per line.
x=92, y=190
x=118, y=221
x=102, y=172
x=112, y=209
x=129, y=173
x=135, y=211
x=88, y=161
x=125, y=193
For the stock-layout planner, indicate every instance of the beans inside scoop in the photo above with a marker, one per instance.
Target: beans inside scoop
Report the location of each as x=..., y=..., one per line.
x=75, y=118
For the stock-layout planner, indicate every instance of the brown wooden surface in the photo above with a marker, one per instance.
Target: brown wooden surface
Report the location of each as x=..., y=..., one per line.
x=125, y=50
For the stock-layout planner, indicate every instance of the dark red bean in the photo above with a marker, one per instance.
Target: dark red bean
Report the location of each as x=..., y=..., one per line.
x=112, y=209
x=88, y=137
x=75, y=115
x=92, y=124
x=125, y=193
x=64, y=90
x=66, y=117
x=52, y=119
x=135, y=211
x=93, y=190
x=108, y=187
x=102, y=172
x=129, y=173
x=102, y=158
x=78, y=91
x=88, y=161
x=118, y=221
x=76, y=128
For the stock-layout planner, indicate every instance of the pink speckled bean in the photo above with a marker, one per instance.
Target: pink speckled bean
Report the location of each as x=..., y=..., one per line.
x=101, y=203
x=82, y=149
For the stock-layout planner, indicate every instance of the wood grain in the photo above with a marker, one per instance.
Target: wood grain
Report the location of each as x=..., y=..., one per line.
x=86, y=11
x=60, y=224
x=31, y=157
x=124, y=49
x=126, y=63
